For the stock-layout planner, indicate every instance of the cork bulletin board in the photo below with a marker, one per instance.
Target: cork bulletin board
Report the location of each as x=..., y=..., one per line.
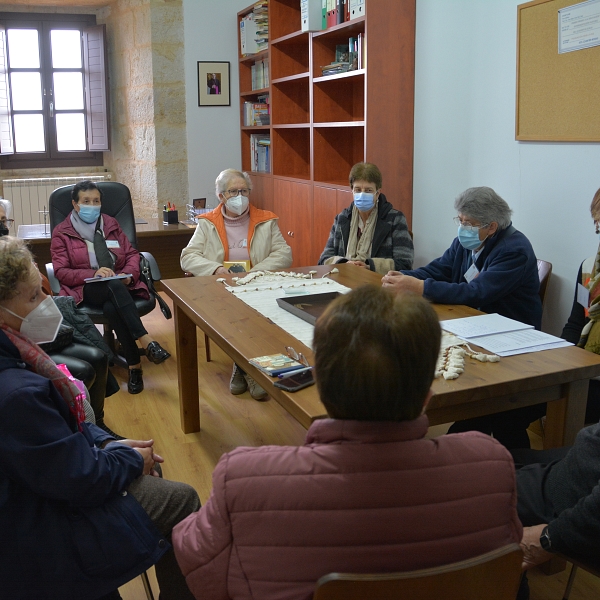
x=558, y=95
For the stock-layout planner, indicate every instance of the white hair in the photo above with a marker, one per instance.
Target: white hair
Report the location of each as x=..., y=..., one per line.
x=7, y=206
x=224, y=178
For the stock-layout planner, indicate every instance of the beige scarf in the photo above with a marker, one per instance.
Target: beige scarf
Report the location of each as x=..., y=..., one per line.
x=361, y=249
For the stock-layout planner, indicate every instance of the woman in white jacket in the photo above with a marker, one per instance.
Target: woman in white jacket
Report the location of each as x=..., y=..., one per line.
x=236, y=231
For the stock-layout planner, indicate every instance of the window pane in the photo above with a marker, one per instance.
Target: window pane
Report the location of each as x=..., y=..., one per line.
x=23, y=49
x=26, y=91
x=29, y=133
x=70, y=132
x=68, y=91
x=66, y=48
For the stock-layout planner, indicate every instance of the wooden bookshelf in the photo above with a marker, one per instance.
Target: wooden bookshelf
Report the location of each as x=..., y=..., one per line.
x=322, y=125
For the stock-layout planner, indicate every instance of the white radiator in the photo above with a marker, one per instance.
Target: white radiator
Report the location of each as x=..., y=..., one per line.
x=29, y=196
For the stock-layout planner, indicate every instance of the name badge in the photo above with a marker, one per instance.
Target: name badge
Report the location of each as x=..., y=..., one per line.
x=471, y=273
x=583, y=296
x=112, y=244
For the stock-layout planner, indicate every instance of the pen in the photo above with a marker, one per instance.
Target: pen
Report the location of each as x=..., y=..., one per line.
x=295, y=372
x=165, y=207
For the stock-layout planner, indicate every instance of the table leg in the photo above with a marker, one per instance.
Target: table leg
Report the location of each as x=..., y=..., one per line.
x=187, y=371
x=565, y=417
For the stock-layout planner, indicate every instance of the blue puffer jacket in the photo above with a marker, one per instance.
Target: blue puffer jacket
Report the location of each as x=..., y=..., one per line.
x=508, y=281
x=69, y=529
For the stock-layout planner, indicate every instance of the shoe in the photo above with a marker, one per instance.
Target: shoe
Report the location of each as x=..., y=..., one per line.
x=156, y=353
x=135, y=384
x=108, y=430
x=237, y=383
x=255, y=390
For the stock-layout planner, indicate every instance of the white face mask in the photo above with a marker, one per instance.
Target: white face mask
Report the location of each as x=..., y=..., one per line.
x=237, y=205
x=42, y=323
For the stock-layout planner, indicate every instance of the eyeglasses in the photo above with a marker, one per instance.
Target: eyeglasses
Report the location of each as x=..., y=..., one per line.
x=7, y=222
x=468, y=226
x=243, y=192
x=296, y=356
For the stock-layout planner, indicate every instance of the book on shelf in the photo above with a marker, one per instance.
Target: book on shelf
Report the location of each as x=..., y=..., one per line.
x=341, y=53
x=260, y=152
x=341, y=11
x=335, y=68
x=260, y=74
x=256, y=113
x=357, y=8
x=248, y=43
x=254, y=29
x=311, y=15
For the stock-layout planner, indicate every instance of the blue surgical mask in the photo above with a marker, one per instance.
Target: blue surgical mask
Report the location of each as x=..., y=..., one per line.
x=364, y=201
x=469, y=239
x=89, y=213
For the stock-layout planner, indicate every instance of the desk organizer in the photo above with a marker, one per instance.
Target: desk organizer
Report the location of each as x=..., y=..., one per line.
x=170, y=217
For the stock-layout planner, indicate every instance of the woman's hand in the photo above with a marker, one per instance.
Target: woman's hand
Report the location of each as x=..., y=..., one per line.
x=221, y=271
x=104, y=272
x=358, y=263
x=126, y=281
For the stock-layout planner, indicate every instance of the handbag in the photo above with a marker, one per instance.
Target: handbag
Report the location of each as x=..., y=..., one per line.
x=146, y=277
x=63, y=338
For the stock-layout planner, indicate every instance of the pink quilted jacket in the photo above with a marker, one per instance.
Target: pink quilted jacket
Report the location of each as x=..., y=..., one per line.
x=71, y=259
x=358, y=497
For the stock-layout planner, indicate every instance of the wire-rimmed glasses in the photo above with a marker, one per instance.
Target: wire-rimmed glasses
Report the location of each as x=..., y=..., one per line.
x=296, y=356
x=7, y=222
x=468, y=226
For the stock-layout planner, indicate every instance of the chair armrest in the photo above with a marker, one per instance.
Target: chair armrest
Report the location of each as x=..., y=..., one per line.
x=54, y=283
x=154, y=270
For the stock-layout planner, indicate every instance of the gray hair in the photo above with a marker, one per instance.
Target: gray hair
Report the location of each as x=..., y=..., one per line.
x=484, y=205
x=222, y=182
x=7, y=206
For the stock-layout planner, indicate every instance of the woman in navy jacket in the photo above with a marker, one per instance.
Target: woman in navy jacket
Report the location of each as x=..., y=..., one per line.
x=78, y=515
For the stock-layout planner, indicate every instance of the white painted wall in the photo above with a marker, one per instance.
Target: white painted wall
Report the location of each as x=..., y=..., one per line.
x=464, y=136
x=213, y=132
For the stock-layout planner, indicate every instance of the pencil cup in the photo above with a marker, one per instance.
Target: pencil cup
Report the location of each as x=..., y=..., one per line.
x=170, y=217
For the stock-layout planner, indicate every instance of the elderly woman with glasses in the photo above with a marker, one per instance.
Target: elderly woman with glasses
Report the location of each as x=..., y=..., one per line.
x=492, y=267
x=5, y=222
x=236, y=231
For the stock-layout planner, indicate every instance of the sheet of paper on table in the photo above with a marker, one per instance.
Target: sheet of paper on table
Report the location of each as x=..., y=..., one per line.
x=501, y=335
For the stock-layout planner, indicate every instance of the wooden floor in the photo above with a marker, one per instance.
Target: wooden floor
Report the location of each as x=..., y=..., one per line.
x=227, y=422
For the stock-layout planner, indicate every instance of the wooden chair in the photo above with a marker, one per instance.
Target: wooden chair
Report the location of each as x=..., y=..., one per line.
x=493, y=576
x=576, y=565
x=544, y=272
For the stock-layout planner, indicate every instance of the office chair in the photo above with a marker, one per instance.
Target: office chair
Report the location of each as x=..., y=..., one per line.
x=493, y=576
x=116, y=202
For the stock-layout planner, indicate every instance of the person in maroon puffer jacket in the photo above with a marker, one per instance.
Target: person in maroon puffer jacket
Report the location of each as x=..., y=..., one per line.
x=88, y=244
x=367, y=493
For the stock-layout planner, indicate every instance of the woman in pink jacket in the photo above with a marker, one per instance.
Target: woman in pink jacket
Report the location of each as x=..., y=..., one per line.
x=367, y=492
x=88, y=244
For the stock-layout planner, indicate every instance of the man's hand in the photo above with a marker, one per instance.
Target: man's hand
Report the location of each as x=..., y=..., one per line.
x=221, y=271
x=397, y=282
x=358, y=263
x=533, y=553
x=104, y=272
x=146, y=449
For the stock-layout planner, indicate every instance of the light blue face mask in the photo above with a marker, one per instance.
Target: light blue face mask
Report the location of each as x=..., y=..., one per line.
x=89, y=213
x=364, y=201
x=469, y=239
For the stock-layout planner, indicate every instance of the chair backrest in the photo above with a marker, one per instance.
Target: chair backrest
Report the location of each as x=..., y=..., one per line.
x=544, y=272
x=116, y=202
x=493, y=576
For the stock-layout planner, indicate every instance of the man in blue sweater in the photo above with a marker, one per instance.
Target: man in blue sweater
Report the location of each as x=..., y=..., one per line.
x=492, y=267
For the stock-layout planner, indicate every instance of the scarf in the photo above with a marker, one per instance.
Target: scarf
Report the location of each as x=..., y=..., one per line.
x=93, y=236
x=360, y=249
x=590, y=279
x=43, y=365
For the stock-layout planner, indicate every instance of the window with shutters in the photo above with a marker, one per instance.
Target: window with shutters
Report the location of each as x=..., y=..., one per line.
x=53, y=91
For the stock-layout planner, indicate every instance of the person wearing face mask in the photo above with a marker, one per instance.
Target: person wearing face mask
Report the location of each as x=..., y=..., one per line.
x=88, y=244
x=490, y=266
x=582, y=327
x=236, y=230
x=370, y=233
x=77, y=508
x=6, y=222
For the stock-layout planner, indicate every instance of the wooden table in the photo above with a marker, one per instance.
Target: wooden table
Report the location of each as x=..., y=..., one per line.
x=164, y=242
x=559, y=377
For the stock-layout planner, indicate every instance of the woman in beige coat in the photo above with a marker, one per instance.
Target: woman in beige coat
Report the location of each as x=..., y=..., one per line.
x=236, y=231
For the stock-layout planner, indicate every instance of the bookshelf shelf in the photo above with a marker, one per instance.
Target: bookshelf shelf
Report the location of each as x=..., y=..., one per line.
x=321, y=125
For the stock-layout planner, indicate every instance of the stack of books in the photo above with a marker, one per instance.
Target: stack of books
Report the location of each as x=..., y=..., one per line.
x=335, y=67
x=256, y=113
x=261, y=18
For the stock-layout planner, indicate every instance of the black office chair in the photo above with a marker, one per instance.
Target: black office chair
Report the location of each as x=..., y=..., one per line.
x=116, y=202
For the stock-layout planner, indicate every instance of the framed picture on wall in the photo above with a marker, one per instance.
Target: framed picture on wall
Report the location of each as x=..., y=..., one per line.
x=213, y=84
